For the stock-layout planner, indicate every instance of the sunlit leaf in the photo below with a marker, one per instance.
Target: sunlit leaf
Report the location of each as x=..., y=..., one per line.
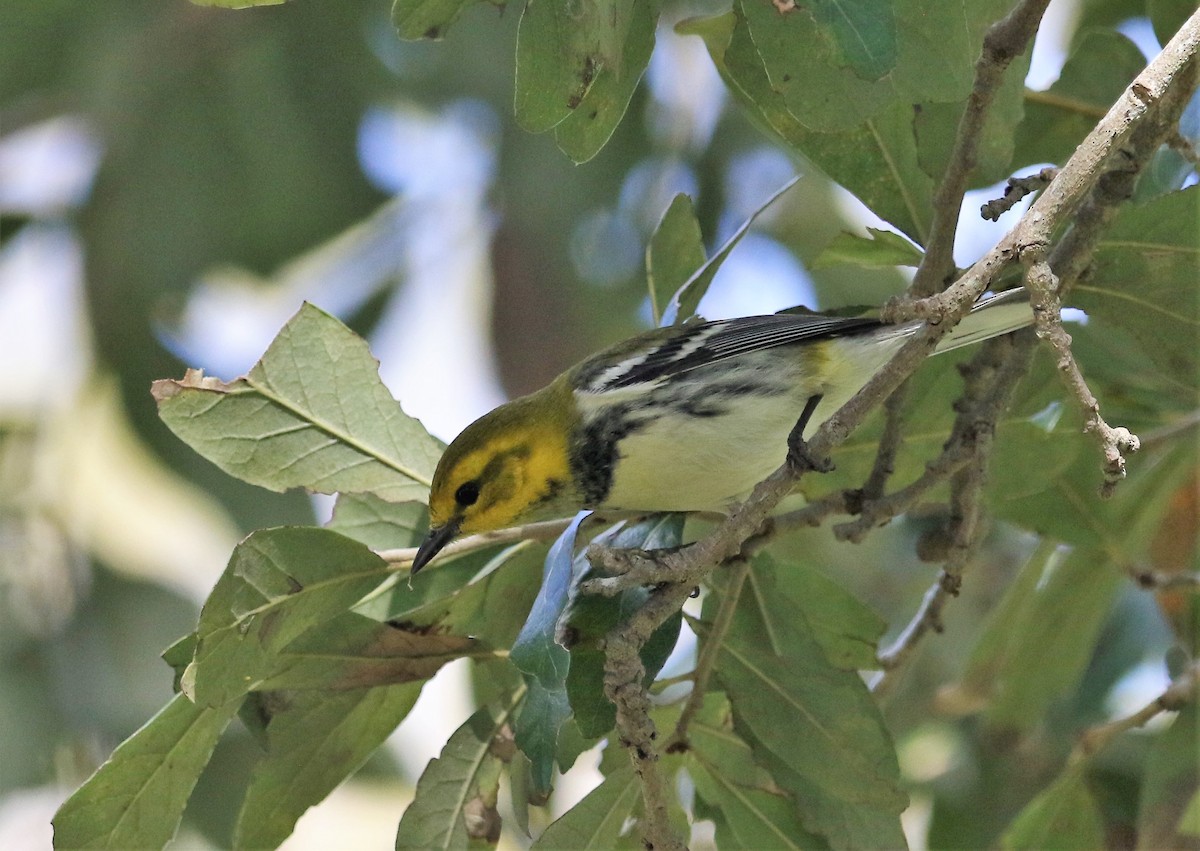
x=279, y=584
x=136, y=798
x=379, y=524
x=312, y=413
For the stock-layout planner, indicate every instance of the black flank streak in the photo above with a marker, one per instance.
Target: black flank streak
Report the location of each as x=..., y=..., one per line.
x=594, y=452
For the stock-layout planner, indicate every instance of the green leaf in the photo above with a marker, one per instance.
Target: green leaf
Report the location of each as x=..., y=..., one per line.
x=815, y=727
x=1062, y=818
x=1170, y=782
x=687, y=297
x=590, y=125
x=1026, y=656
x=561, y=50
x=416, y=19
x=312, y=413
x=587, y=620
x=379, y=524
x=675, y=252
x=438, y=814
x=847, y=629
x=756, y=812
x=238, y=4
x=545, y=663
x=755, y=818
x=136, y=798
x=863, y=33
x=801, y=66
x=279, y=584
x=1099, y=68
x=354, y=652
x=879, y=249
x=938, y=45
x=493, y=606
x=596, y=821
x=315, y=740
x=936, y=128
x=1168, y=16
x=1144, y=280
x=179, y=654
x=877, y=160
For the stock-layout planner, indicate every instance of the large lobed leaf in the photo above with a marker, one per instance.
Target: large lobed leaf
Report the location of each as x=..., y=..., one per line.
x=312, y=413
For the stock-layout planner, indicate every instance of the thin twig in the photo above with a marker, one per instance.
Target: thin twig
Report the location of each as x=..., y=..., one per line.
x=876, y=512
x=1115, y=443
x=1004, y=41
x=1016, y=189
x=990, y=380
x=889, y=443
x=546, y=530
x=1181, y=691
x=1060, y=199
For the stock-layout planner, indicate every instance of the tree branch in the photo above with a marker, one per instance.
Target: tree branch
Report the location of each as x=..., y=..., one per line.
x=1181, y=691
x=1004, y=41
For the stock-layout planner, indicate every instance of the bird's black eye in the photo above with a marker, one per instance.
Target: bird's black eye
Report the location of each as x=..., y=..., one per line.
x=467, y=494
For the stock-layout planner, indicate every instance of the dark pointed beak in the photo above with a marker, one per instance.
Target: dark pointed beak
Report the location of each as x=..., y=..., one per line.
x=434, y=542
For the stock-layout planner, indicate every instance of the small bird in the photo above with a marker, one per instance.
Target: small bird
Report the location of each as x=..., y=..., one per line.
x=685, y=418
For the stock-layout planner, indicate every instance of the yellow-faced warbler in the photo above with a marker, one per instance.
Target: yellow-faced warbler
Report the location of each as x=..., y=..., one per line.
x=685, y=418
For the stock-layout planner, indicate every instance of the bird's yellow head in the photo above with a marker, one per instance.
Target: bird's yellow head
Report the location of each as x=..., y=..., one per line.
x=510, y=466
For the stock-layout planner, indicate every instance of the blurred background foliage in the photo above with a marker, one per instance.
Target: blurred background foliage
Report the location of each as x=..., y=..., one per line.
x=175, y=180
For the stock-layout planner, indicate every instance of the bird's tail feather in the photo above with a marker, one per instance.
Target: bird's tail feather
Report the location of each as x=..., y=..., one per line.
x=990, y=317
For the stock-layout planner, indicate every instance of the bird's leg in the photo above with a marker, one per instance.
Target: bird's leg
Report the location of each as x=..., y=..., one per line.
x=800, y=459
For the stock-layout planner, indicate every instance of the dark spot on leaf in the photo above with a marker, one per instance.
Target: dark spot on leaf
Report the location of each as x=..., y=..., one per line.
x=433, y=33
